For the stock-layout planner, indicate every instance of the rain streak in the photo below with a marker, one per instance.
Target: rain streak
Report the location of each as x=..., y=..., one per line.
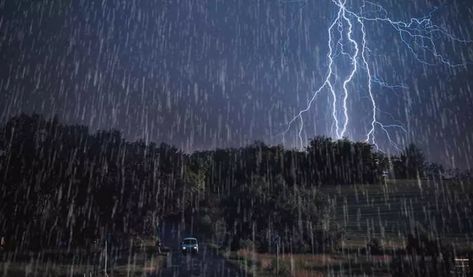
x=236, y=138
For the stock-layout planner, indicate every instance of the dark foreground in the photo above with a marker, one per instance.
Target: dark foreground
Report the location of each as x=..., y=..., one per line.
x=122, y=263
x=141, y=259
x=207, y=263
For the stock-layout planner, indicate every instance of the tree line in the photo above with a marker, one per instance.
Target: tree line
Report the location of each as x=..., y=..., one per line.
x=63, y=185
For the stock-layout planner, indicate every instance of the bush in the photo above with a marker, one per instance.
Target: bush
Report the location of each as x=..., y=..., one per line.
x=247, y=244
x=205, y=226
x=428, y=256
x=374, y=247
x=280, y=269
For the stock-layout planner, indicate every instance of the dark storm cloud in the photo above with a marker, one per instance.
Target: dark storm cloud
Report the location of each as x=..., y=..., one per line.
x=202, y=74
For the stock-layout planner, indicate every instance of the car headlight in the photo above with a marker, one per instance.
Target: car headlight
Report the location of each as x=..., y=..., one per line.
x=183, y=248
x=195, y=247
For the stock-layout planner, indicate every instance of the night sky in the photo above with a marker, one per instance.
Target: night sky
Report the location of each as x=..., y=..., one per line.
x=201, y=74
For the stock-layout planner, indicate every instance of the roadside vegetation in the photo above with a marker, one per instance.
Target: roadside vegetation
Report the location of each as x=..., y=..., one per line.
x=142, y=260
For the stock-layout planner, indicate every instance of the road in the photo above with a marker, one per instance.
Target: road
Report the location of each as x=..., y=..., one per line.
x=207, y=263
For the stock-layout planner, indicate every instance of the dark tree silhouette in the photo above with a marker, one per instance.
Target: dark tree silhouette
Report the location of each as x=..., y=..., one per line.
x=410, y=164
x=63, y=186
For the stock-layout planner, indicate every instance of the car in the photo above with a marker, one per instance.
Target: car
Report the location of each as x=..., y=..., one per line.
x=190, y=246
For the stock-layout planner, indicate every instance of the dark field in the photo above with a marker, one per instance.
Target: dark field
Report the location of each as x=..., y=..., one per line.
x=389, y=211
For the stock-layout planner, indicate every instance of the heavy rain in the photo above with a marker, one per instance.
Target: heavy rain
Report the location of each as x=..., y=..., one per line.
x=236, y=138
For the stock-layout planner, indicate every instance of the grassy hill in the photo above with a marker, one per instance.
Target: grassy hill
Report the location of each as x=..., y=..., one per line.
x=389, y=211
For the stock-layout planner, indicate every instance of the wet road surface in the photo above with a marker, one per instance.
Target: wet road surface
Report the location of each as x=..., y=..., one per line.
x=206, y=263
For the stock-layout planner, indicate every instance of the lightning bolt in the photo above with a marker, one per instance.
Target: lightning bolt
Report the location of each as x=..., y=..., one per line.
x=418, y=35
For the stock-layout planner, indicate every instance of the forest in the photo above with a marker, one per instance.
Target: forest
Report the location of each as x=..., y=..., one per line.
x=64, y=186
